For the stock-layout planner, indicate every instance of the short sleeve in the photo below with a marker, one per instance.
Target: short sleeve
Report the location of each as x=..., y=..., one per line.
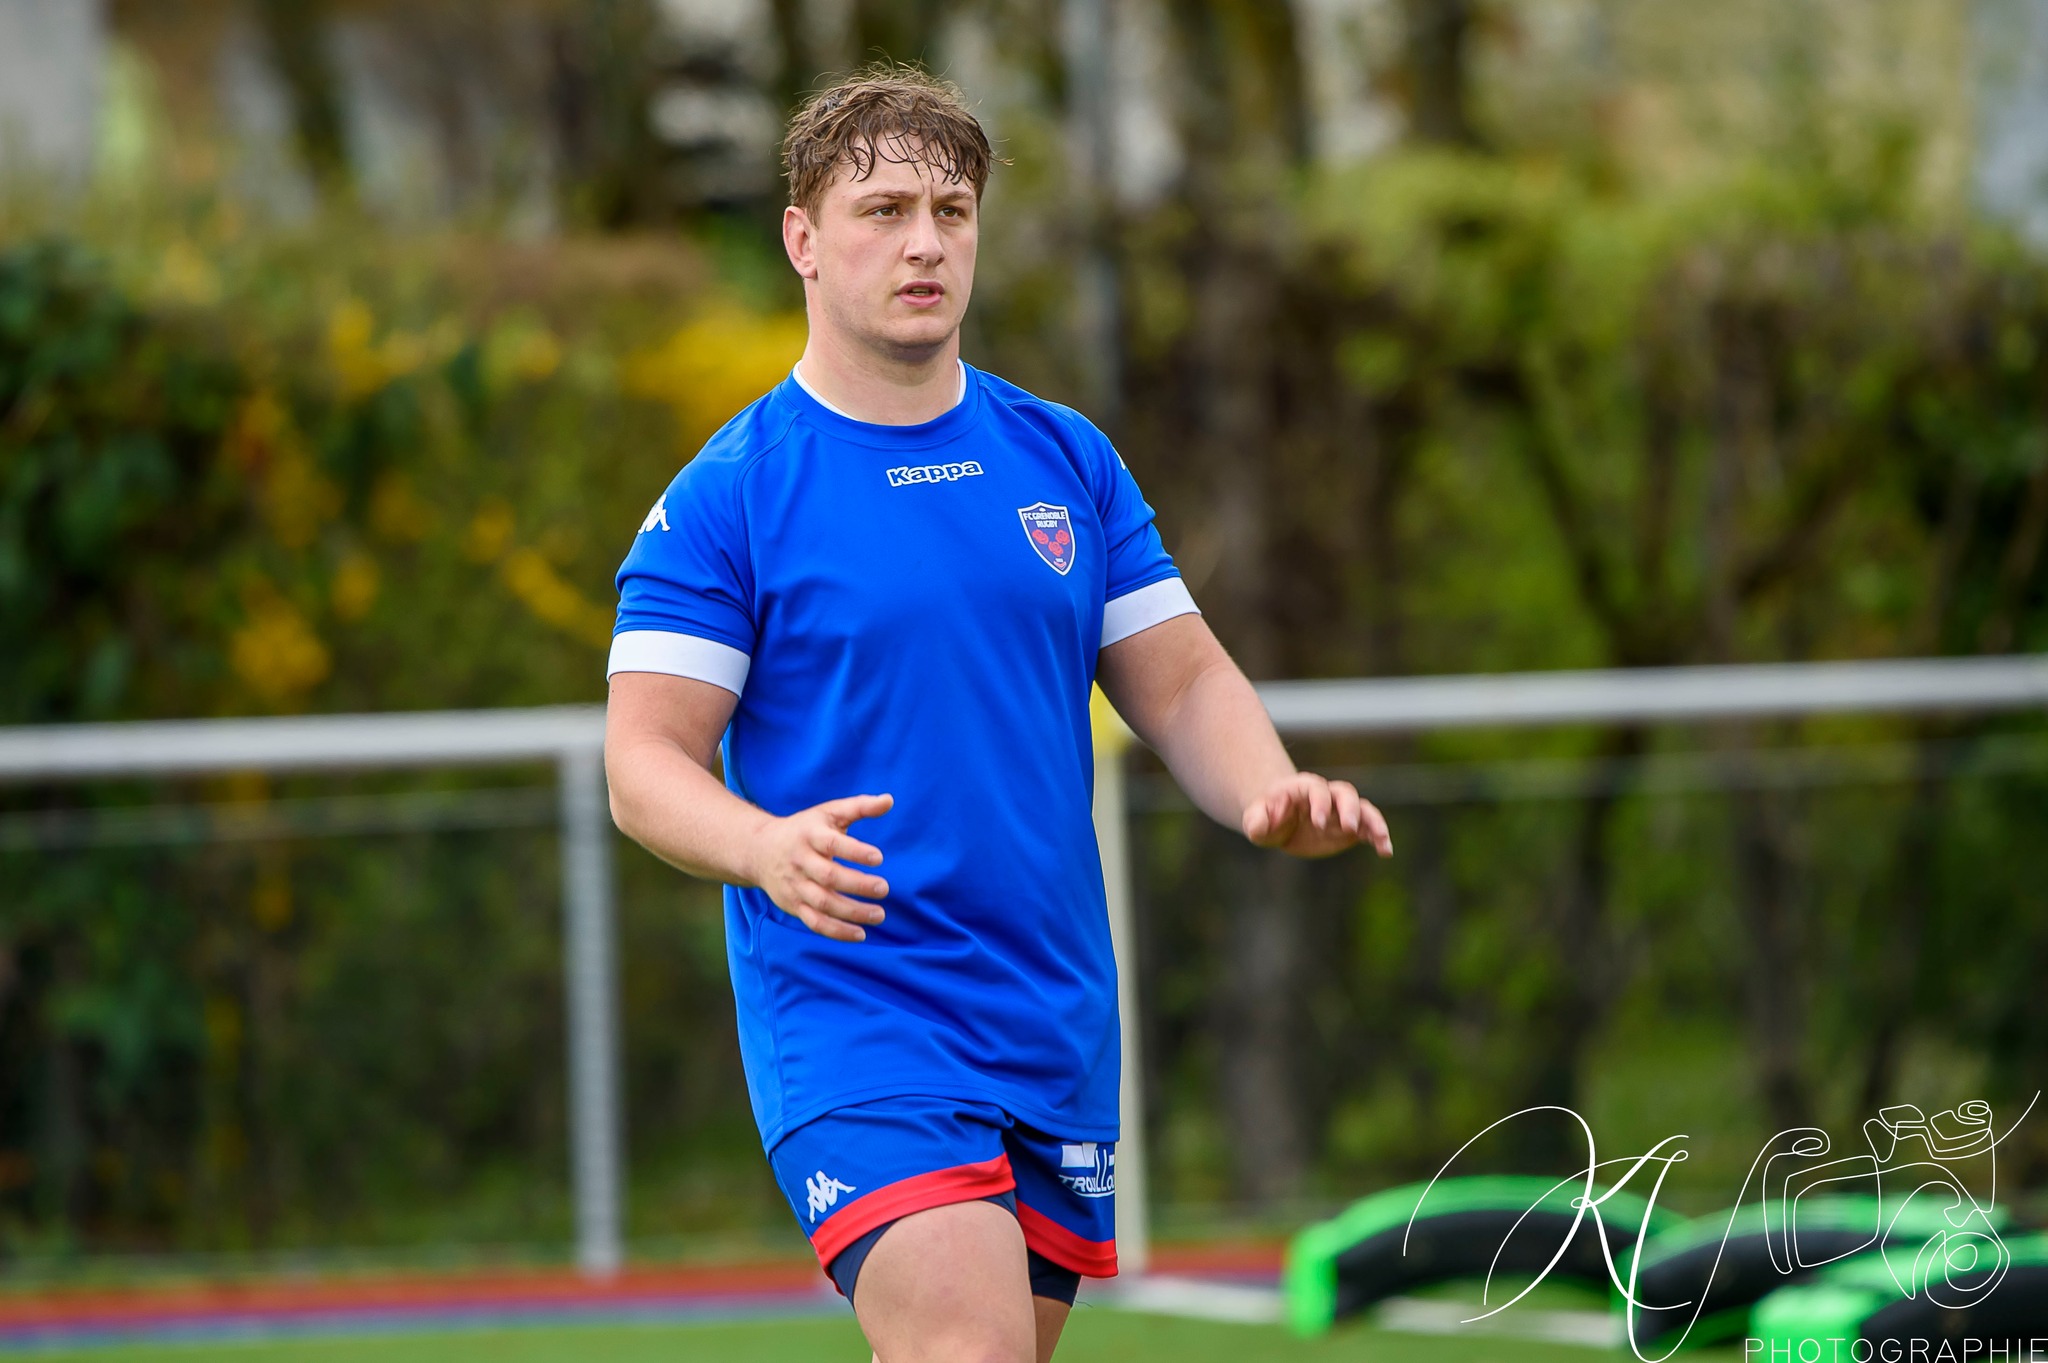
x=686, y=588
x=1143, y=585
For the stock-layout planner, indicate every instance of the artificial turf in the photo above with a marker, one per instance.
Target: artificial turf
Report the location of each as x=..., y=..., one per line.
x=1093, y=1336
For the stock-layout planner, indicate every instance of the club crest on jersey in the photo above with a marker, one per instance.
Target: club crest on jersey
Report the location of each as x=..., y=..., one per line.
x=1051, y=533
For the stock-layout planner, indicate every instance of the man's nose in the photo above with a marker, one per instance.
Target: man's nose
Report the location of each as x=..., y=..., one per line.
x=924, y=245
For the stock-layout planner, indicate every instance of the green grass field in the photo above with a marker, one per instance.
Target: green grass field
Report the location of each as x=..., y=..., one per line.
x=1093, y=1336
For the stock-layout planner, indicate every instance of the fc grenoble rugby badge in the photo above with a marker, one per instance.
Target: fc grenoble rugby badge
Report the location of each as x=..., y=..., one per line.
x=1051, y=533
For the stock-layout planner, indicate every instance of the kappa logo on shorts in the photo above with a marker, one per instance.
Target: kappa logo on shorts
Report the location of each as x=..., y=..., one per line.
x=658, y=516
x=1098, y=1160
x=1051, y=533
x=821, y=1194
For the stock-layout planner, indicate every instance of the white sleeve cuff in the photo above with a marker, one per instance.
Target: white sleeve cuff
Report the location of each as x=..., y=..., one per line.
x=1144, y=608
x=679, y=655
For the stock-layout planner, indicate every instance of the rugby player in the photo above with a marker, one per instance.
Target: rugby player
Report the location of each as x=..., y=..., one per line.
x=880, y=595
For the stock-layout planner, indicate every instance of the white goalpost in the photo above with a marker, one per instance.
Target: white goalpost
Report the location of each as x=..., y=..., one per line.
x=572, y=738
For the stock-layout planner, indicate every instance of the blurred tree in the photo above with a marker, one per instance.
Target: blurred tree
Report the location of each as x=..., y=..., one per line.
x=1239, y=107
x=1709, y=438
x=202, y=514
x=799, y=63
x=605, y=60
x=298, y=32
x=111, y=494
x=898, y=30
x=1438, y=34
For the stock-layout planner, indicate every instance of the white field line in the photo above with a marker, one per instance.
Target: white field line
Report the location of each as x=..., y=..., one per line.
x=1163, y=1295
x=1242, y=1304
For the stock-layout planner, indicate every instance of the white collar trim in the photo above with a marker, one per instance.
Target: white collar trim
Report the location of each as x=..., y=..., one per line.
x=796, y=372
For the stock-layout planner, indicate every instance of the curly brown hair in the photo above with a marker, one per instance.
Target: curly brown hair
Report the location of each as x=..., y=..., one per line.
x=887, y=112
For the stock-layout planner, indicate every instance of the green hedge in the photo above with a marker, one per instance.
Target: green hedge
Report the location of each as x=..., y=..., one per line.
x=1504, y=417
x=265, y=474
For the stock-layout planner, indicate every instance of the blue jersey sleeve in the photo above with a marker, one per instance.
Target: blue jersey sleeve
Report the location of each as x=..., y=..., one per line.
x=686, y=588
x=1143, y=586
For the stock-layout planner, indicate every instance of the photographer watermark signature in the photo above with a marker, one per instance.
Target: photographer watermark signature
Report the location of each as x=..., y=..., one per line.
x=1950, y=1157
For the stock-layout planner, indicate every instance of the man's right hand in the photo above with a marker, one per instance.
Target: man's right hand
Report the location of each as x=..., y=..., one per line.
x=797, y=860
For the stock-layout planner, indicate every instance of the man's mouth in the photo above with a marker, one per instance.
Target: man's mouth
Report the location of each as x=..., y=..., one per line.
x=922, y=293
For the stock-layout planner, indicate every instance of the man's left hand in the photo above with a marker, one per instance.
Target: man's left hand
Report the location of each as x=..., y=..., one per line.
x=1307, y=816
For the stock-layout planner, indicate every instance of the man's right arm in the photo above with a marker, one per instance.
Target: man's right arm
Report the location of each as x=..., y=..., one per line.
x=661, y=733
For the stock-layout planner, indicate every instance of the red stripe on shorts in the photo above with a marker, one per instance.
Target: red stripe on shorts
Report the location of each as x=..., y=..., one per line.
x=1092, y=1258
x=939, y=1188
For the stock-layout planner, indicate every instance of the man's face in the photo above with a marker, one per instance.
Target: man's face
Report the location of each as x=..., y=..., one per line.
x=889, y=258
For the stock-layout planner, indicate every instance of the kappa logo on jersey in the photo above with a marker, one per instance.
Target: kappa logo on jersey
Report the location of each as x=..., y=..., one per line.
x=1051, y=533
x=658, y=516
x=1100, y=1163
x=932, y=473
x=822, y=1193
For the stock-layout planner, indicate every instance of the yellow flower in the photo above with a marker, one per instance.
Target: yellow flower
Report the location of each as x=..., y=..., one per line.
x=270, y=904
x=541, y=590
x=362, y=364
x=295, y=497
x=358, y=367
x=276, y=653
x=715, y=365
x=355, y=587
x=520, y=352
x=396, y=511
x=297, y=500
x=259, y=428
x=490, y=530
x=186, y=277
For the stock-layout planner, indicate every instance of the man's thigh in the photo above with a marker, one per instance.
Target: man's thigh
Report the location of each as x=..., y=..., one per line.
x=923, y=1188
x=950, y=1285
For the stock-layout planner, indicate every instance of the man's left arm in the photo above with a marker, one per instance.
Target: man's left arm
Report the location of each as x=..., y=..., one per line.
x=1184, y=697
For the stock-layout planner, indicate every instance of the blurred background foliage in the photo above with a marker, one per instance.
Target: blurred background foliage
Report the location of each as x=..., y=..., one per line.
x=1445, y=336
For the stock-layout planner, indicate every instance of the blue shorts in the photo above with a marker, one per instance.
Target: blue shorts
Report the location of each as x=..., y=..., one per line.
x=852, y=1172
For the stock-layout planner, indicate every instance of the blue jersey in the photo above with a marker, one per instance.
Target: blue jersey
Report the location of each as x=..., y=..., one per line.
x=914, y=610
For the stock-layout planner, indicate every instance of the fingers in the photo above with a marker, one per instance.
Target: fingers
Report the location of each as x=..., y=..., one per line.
x=825, y=925
x=826, y=885
x=846, y=810
x=1271, y=821
x=1376, y=831
x=834, y=915
x=1311, y=816
x=1360, y=819
x=847, y=880
x=819, y=897
x=1345, y=796
x=842, y=847
x=838, y=906
x=1319, y=802
x=812, y=884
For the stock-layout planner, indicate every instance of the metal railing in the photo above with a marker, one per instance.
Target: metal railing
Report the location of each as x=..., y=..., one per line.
x=572, y=738
x=1385, y=705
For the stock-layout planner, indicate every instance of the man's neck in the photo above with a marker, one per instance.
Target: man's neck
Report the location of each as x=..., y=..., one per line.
x=884, y=394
